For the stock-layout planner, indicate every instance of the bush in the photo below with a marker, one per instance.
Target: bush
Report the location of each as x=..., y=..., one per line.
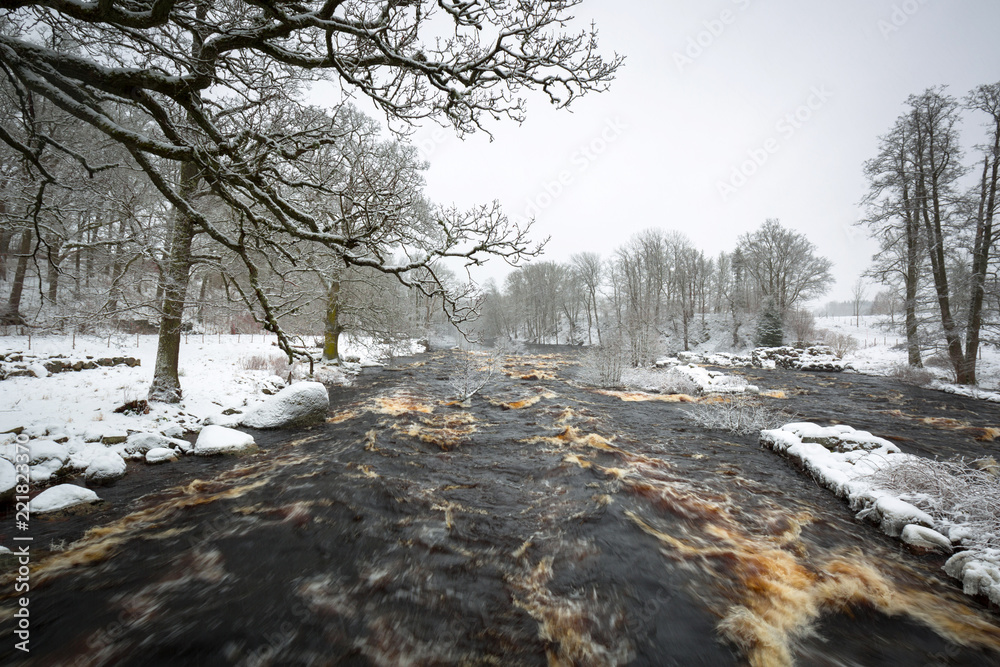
x=740, y=415
x=907, y=374
x=802, y=324
x=275, y=364
x=952, y=491
x=476, y=370
x=841, y=343
x=603, y=365
x=669, y=381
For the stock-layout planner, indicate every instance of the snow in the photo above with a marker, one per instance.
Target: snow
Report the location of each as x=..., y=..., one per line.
x=297, y=404
x=8, y=477
x=160, y=455
x=60, y=497
x=215, y=439
x=77, y=407
x=920, y=536
x=843, y=460
x=106, y=466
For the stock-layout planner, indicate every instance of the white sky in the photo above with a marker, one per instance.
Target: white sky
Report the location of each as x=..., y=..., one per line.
x=677, y=131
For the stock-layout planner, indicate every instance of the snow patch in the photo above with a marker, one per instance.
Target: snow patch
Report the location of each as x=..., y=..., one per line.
x=160, y=455
x=60, y=497
x=215, y=439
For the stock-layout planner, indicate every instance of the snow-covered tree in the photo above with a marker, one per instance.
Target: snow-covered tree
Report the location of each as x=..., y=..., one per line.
x=208, y=100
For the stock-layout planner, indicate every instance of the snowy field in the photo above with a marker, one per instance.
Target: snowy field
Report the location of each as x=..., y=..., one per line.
x=217, y=373
x=881, y=352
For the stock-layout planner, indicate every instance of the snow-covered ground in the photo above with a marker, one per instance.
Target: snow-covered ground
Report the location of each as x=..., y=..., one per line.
x=882, y=352
x=68, y=422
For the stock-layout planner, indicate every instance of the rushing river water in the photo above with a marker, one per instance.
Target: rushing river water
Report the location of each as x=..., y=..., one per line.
x=542, y=522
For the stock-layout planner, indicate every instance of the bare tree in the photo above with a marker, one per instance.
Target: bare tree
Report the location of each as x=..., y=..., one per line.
x=588, y=268
x=859, y=292
x=783, y=264
x=985, y=99
x=892, y=219
x=205, y=97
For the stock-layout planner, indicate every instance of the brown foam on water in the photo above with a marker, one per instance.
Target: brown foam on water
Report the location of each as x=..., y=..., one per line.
x=99, y=543
x=447, y=431
x=778, y=591
x=526, y=402
x=774, y=586
x=581, y=630
x=634, y=396
x=396, y=404
x=980, y=433
x=777, y=393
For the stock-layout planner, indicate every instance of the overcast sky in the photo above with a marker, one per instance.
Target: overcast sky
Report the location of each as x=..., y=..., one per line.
x=802, y=88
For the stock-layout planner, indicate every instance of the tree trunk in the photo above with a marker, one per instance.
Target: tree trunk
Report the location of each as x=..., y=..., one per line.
x=166, y=386
x=12, y=313
x=911, y=279
x=981, y=254
x=332, y=330
x=5, y=238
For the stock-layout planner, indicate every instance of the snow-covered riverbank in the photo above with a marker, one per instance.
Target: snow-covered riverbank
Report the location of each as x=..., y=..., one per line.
x=75, y=405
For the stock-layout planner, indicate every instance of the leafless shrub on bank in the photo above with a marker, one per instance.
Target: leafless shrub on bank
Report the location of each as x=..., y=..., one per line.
x=954, y=491
x=604, y=365
x=670, y=381
x=276, y=364
x=740, y=415
x=841, y=343
x=907, y=374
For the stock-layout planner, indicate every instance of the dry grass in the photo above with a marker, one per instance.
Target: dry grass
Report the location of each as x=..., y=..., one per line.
x=275, y=364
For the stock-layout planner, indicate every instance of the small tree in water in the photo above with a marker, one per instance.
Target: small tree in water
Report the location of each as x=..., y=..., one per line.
x=770, y=331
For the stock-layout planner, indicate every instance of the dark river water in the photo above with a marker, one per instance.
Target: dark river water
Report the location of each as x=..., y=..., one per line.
x=540, y=523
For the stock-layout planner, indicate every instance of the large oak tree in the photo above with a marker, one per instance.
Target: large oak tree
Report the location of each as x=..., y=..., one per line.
x=208, y=99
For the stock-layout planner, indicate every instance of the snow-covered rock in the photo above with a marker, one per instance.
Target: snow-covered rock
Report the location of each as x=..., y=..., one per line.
x=172, y=430
x=39, y=370
x=44, y=450
x=215, y=439
x=844, y=460
x=8, y=478
x=296, y=405
x=105, y=467
x=139, y=443
x=60, y=497
x=182, y=446
x=46, y=459
x=980, y=573
x=925, y=538
x=229, y=418
x=813, y=358
x=161, y=455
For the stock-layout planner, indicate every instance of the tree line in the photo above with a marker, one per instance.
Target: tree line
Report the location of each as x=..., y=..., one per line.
x=658, y=284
